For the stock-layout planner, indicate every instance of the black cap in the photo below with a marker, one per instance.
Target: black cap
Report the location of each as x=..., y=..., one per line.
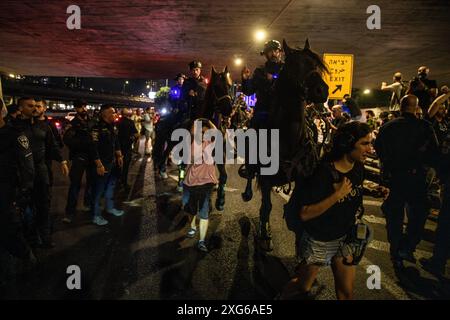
x=195, y=64
x=79, y=103
x=12, y=108
x=180, y=75
x=271, y=45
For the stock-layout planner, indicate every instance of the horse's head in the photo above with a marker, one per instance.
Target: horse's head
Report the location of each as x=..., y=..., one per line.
x=303, y=71
x=220, y=86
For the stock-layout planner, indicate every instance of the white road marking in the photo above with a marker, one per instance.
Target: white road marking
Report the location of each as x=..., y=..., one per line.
x=384, y=247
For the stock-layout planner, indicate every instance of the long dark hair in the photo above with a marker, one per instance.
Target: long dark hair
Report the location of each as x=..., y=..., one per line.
x=345, y=139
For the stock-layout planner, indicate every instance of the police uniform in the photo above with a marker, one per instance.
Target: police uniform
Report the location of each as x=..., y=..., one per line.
x=264, y=90
x=58, y=140
x=78, y=139
x=104, y=145
x=44, y=146
x=198, y=85
x=405, y=145
x=16, y=185
x=126, y=134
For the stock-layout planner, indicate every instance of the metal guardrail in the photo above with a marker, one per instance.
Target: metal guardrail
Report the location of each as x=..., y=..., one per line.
x=17, y=89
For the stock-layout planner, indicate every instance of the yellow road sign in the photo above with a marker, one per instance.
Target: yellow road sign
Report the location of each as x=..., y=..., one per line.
x=341, y=73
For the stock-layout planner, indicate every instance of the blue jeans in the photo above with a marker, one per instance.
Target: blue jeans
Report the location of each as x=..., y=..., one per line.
x=203, y=208
x=104, y=185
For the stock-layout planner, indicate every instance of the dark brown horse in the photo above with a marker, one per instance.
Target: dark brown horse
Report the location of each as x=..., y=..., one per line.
x=299, y=81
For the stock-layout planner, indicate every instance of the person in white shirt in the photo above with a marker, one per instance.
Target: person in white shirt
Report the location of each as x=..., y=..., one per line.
x=396, y=89
x=148, y=123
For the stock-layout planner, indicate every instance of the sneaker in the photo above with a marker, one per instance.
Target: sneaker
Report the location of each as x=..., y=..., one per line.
x=191, y=233
x=116, y=212
x=163, y=175
x=202, y=246
x=100, y=221
x=85, y=208
x=67, y=220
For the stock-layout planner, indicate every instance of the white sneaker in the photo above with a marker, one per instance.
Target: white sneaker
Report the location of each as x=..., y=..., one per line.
x=163, y=175
x=100, y=221
x=116, y=212
x=67, y=220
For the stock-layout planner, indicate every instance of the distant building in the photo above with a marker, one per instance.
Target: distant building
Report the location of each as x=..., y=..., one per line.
x=73, y=82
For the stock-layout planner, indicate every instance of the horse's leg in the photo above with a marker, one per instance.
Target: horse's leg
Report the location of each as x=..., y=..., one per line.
x=247, y=195
x=220, y=201
x=265, y=234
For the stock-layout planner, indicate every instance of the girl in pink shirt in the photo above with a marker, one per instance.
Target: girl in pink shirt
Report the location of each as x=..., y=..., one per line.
x=198, y=185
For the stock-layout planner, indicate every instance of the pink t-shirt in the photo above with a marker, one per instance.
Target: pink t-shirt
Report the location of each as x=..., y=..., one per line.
x=204, y=173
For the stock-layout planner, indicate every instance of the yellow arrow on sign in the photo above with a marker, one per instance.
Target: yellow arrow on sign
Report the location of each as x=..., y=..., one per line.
x=341, y=74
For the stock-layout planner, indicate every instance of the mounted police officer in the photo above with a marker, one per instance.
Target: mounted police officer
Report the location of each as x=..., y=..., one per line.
x=262, y=83
x=193, y=90
x=44, y=146
x=78, y=139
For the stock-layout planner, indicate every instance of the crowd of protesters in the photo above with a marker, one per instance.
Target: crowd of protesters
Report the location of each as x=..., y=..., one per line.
x=412, y=139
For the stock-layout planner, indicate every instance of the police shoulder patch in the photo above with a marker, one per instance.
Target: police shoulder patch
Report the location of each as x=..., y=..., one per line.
x=23, y=141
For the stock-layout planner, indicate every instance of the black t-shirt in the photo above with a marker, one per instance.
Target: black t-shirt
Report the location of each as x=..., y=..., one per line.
x=339, y=219
x=424, y=96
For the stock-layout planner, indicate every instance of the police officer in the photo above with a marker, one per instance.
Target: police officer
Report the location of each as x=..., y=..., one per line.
x=43, y=144
x=405, y=145
x=16, y=184
x=108, y=159
x=178, y=112
x=127, y=134
x=262, y=83
x=41, y=108
x=193, y=90
x=78, y=139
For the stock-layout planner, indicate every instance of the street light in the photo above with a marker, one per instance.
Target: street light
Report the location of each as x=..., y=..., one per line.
x=12, y=75
x=367, y=91
x=238, y=61
x=260, y=35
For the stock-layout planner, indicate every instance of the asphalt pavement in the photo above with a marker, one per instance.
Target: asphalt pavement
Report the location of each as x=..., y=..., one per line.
x=146, y=255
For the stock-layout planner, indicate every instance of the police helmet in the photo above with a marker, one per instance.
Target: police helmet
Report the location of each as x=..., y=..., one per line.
x=195, y=64
x=180, y=75
x=271, y=45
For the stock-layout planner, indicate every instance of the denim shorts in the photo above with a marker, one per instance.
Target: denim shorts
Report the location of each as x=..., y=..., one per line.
x=202, y=208
x=321, y=253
